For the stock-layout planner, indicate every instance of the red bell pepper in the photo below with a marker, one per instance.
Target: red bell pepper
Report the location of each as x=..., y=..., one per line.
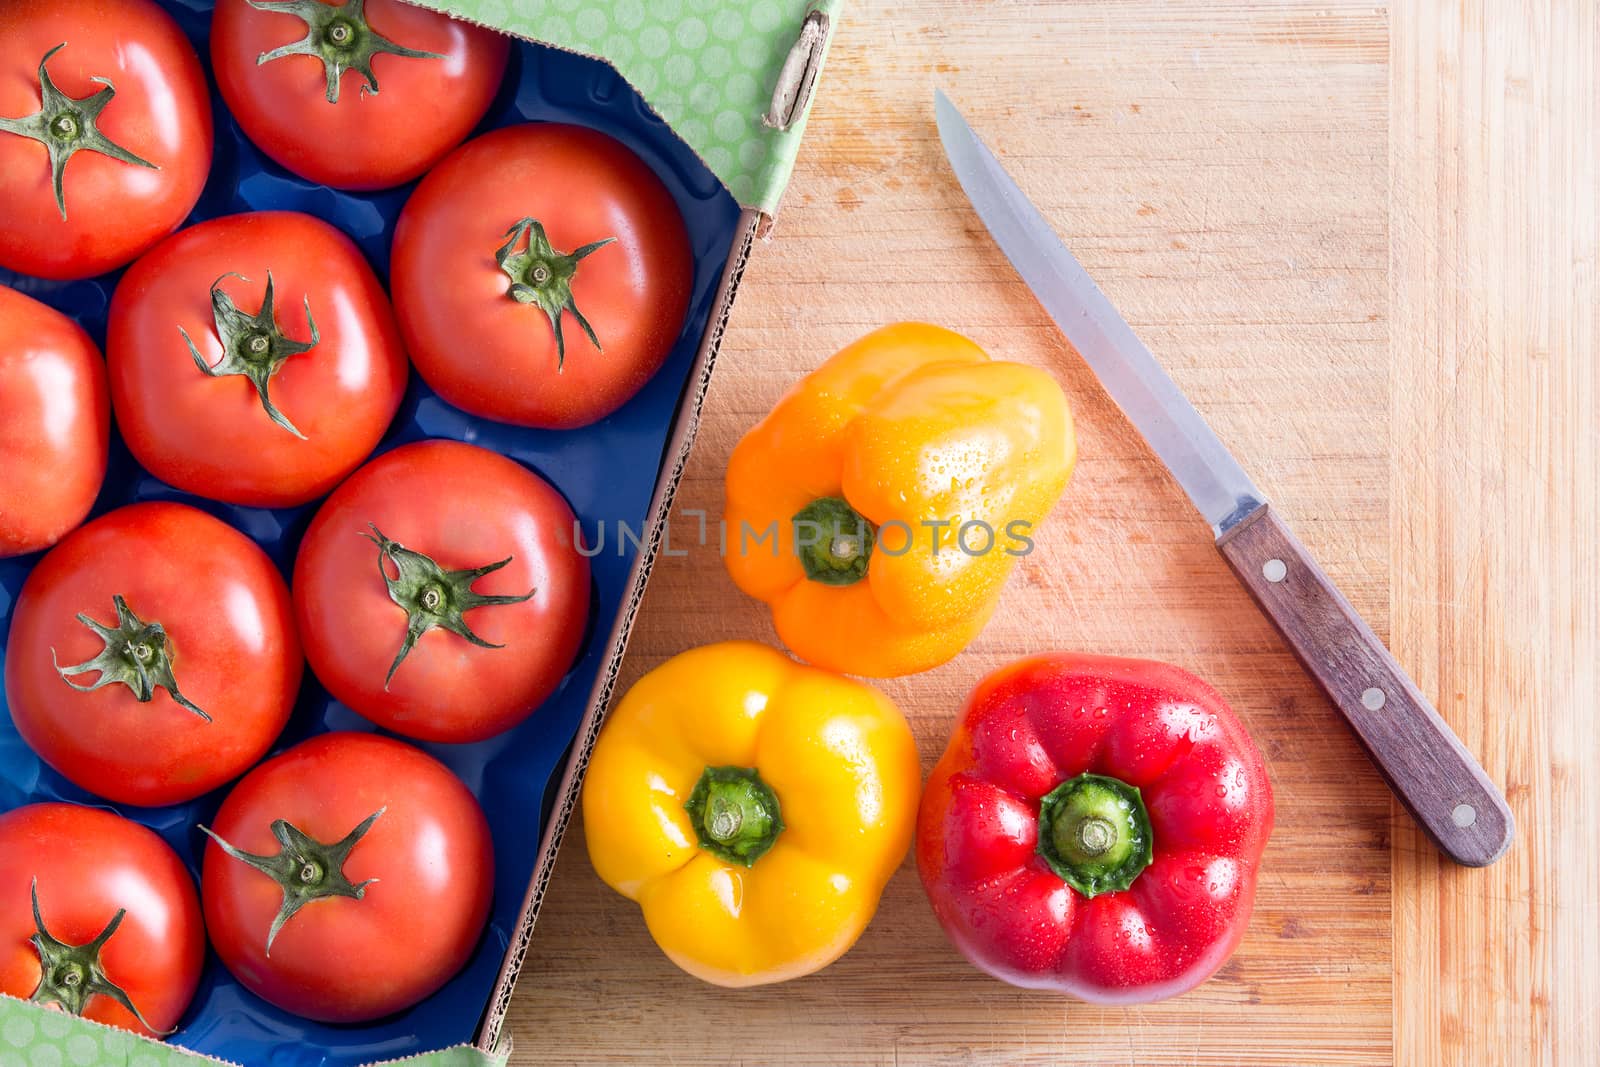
x=1095, y=827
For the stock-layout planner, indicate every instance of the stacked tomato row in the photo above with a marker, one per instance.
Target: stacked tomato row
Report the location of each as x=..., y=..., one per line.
x=155, y=653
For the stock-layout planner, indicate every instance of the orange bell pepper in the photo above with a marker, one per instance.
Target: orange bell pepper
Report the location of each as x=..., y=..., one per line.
x=881, y=505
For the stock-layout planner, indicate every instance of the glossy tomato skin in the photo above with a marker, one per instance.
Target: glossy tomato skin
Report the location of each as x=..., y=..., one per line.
x=490, y=355
x=90, y=863
x=161, y=113
x=464, y=507
x=340, y=959
x=211, y=436
x=236, y=655
x=422, y=109
x=54, y=424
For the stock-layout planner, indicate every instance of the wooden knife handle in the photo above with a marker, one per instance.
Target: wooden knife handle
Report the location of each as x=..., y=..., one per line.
x=1428, y=768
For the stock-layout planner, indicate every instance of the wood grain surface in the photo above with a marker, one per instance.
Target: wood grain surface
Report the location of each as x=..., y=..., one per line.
x=1364, y=241
x=1495, y=512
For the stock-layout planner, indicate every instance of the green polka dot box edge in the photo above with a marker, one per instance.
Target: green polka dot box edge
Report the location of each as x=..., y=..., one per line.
x=34, y=1036
x=708, y=67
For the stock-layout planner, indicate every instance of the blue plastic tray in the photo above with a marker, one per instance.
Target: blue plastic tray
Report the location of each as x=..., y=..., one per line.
x=607, y=472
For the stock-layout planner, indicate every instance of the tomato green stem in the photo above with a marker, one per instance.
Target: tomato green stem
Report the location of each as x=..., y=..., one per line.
x=432, y=596
x=834, y=541
x=338, y=36
x=70, y=974
x=735, y=814
x=137, y=655
x=66, y=126
x=541, y=275
x=1095, y=833
x=304, y=868
x=252, y=345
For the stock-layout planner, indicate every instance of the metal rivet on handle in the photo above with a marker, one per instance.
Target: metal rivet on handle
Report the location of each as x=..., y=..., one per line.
x=1464, y=815
x=1373, y=699
x=1274, y=570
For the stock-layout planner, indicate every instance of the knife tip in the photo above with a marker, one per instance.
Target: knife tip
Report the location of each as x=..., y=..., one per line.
x=945, y=115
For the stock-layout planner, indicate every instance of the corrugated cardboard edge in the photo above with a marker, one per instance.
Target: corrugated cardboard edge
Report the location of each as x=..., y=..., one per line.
x=679, y=446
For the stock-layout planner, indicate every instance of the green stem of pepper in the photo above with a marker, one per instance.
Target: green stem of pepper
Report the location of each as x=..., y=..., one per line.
x=1095, y=833
x=834, y=541
x=735, y=814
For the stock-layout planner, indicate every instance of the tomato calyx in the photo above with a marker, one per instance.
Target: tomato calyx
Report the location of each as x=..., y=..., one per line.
x=541, y=275
x=252, y=345
x=735, y=814
x=834, y=541
x=433, y=598
x=137, y=655
x=66, y=127
x=1095, y=833
x=70, y=974
x=340, y=37
x=304, y=868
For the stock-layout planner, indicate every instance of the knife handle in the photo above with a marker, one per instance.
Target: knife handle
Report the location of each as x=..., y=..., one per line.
x=1428, y=768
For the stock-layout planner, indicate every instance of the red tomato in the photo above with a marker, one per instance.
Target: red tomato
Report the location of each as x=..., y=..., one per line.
x=499, y=266
x=130, y=173
x=371, y=135
x=469, y=534
x=54, y=424
x=96, y=874
x=330, y=359
x=206, y=615
x=390, y=857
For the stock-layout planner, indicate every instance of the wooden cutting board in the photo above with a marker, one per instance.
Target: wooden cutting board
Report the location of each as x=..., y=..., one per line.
x=1232, y=176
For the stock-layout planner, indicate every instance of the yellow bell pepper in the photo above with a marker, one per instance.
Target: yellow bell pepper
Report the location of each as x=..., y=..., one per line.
x=881, y=505
x=754, y=808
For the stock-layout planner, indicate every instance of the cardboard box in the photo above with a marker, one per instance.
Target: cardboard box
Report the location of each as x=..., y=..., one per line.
x=734, y=80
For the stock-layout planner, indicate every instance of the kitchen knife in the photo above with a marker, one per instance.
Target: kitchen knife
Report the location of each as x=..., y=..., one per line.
x=1428, y=768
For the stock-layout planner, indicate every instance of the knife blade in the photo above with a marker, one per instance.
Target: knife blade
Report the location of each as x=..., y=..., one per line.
x=1430, y=770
